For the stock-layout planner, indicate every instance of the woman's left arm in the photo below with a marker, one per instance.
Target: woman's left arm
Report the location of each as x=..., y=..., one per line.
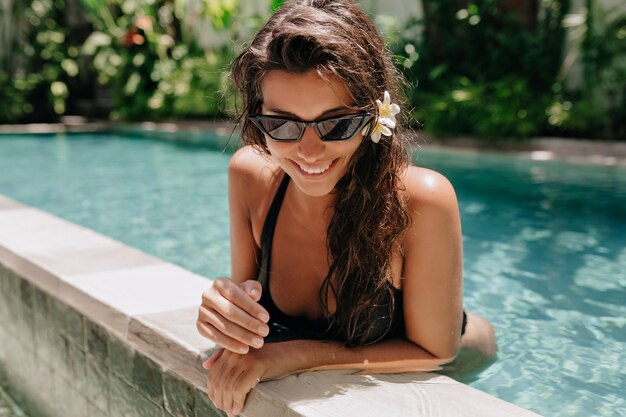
x=232, y=375
x=432, y=304
x=433, y=264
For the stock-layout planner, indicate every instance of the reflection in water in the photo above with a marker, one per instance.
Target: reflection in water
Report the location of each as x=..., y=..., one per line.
x=545, y=260
x=544, y=244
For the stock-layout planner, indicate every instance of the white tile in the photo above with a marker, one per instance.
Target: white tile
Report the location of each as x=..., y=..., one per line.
x=8, y=204
x=40, y=276
x=179, y=325
x=141, y=290
x=62, y=247
x=82, y=260
x=338, y=393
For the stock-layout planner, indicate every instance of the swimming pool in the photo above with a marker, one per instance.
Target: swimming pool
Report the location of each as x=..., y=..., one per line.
x=545, y=246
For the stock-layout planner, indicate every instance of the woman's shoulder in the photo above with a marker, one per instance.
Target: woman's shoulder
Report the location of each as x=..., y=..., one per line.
x=252, y=167
x=425, y=188
x=254, y=178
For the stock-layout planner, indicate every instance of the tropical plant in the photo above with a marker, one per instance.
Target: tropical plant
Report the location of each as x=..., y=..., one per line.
x=604, y=52
x=157, y=59
x=38, y=60
x=478, y=69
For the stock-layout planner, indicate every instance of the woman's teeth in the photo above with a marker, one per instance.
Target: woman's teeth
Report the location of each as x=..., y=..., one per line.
x=314, y=170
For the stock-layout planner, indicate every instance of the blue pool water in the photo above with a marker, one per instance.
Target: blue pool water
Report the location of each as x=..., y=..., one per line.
x=544, y=243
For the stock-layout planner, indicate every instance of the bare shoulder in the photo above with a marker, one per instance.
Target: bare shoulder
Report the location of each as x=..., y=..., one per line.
x=248, y=162
x=251, y=169
x=427, y=189
x=253, y=179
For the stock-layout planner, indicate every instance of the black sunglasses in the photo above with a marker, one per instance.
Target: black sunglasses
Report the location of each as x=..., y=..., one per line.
x=333, y=129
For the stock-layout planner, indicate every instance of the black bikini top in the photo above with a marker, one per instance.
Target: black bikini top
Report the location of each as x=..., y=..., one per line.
x=286, y=327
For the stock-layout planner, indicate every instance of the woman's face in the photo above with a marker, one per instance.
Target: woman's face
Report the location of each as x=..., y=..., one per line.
x=314, y=166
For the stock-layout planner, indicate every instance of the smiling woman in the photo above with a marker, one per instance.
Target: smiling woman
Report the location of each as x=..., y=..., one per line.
x=314, y=165
x=343, y=255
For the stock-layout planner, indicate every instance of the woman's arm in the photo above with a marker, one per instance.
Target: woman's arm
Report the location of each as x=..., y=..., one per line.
x=230, y=314
x=387, y=356
x=432, y=273
x=432, y=294
x=232, y=375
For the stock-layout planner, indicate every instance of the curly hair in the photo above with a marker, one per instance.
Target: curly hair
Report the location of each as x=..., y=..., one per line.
x=337, y=37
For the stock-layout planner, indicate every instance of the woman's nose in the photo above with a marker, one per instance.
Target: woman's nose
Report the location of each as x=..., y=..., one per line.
x=310, y=147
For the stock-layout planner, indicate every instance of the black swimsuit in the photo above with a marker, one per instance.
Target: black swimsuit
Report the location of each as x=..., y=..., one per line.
x=286, y=327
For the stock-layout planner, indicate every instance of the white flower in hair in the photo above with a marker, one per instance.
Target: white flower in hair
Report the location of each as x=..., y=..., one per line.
x=387, y=111
x=379, y=129
x=386, y=118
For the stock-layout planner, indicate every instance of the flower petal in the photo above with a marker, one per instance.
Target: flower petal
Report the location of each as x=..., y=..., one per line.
x=385, y=130
x=375, y=136
x=390, y=122
x=387, y=99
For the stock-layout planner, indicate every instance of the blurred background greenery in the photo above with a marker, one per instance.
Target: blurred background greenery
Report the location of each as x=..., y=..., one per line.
x=495, y=69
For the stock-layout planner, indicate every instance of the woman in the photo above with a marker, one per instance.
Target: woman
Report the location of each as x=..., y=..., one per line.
x=343, y=255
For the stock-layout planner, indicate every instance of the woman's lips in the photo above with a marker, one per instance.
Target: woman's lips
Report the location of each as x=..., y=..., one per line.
x=314, y=172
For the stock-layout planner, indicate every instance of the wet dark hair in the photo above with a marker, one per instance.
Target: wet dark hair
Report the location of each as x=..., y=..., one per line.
x=337, y=37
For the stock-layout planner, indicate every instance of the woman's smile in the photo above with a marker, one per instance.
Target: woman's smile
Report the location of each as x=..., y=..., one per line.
x=315, y=166
x=316, y=171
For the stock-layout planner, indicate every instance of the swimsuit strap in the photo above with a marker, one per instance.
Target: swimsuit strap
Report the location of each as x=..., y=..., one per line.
x=267, y=235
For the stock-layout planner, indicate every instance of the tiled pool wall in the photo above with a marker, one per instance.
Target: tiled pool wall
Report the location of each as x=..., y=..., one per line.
x=92, y=327
x=57, y=362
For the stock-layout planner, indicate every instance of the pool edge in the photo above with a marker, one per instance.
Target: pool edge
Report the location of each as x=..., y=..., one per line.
x=147, y=318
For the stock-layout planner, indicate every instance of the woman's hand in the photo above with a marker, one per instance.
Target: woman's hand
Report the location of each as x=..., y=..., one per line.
x=232, y=376
x=231, y=316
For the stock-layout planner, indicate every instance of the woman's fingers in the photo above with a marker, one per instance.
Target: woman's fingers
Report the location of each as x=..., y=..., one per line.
x=231, y=378
x=229, y=309
x=237, y=296
x=231, y=329
x=228, y=387
x=240, y=317
x=210, y=332
x=242, y=388
x=214, y=357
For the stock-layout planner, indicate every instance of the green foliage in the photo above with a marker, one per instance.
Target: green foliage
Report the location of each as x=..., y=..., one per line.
x=503, y=108
x=152, y=60
x=39, y=66
x=479, y=71
x=604, y=55
x=475, y=70
x=276, y=4
x=472, y=68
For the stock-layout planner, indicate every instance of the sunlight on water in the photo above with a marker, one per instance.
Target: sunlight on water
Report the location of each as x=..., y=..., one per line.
x=544, y=244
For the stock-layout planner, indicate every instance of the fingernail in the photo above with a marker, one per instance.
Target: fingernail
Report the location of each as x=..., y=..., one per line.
x=264, y=330
x=257, y=342
x=204, y=365
x=264, y=317
x=254, y=292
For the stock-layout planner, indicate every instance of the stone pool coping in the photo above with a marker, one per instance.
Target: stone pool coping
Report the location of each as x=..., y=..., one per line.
x=151, y=305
